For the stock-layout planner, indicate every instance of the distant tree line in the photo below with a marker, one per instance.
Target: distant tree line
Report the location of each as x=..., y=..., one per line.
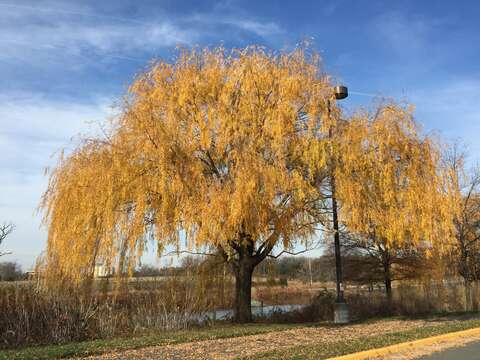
x=11, y=271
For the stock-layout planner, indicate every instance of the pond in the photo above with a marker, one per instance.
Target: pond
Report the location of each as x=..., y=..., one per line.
x=257, y=310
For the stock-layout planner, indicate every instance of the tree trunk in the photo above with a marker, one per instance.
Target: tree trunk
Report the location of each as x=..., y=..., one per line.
x=388, y=287
x=387, y=275
x=243, y=263
x=243, y=291
x=465, y=272
x=475, y=295
x=468, y=295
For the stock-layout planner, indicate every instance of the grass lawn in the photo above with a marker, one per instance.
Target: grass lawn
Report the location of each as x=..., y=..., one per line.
x=324, y=350
x=312, y=351
x=96, y=347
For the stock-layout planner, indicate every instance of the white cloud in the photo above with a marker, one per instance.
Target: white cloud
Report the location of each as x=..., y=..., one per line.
x=51, y=30
x=258, y=28
x=33, y=128
x=67, y=38
x=18, y=205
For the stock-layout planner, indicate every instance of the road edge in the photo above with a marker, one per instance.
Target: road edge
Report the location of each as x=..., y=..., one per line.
x=406, y=345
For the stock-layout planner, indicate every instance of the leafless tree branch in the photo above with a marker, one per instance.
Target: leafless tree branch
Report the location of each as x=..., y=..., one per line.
x=5, y=230
x=175, y=252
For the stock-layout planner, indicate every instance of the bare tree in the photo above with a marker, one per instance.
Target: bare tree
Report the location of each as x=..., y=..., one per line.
x=370, y=260
x=5, y=230
x=466, y=185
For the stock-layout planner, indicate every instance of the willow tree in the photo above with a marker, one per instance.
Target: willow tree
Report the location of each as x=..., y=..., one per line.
x=222, y=150
x=391, y=187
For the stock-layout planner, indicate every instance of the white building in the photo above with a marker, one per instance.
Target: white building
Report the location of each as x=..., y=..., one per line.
x=101, y=270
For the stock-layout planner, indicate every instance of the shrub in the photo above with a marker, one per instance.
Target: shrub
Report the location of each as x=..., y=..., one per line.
x=409, y=299
x=32, y=315
x=11, y=271
x=283, y=281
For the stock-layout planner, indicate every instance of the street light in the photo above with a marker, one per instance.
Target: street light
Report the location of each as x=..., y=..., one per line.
x=341, y=315
x=341, y=92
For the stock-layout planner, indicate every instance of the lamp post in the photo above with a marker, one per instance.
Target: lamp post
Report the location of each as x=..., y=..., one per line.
x=341, y=315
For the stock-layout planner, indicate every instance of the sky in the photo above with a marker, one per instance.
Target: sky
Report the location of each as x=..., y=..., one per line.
x=63, y=64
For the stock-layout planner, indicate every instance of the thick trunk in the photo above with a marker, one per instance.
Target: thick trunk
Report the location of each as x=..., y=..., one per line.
x=388, y=287
x=243, y=291
x=243, y=263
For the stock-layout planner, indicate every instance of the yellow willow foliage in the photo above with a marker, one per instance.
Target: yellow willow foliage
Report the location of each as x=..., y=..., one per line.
x=389, y=181
x=213, y=146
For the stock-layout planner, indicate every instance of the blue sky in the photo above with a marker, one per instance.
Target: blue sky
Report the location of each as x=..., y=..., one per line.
x=64, y=63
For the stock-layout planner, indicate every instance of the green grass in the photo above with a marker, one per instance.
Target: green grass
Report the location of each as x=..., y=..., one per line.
x=96, y=347
x=323, y=350
x=317, y=351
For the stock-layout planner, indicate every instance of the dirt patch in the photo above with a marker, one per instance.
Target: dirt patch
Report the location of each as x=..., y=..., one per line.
x=253, y=344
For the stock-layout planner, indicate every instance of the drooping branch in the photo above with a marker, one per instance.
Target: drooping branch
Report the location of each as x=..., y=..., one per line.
x=214, y=151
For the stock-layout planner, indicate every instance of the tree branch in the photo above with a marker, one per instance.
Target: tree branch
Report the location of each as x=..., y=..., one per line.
x=290, y=253
x=175, y=252
x=5, y=230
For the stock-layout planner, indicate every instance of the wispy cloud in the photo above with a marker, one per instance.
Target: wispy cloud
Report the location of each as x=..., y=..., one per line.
x=453, y=108
x=261, y=29
x=400, y=32
x=62, y=34
x=30, y=32
x=18, y=205
x=411, y=41
x=33, y=129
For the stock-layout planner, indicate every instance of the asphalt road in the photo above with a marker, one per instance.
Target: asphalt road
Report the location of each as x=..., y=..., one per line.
x=470, y=351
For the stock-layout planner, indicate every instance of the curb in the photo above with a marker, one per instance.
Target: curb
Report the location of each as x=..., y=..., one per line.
x=406, y=345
